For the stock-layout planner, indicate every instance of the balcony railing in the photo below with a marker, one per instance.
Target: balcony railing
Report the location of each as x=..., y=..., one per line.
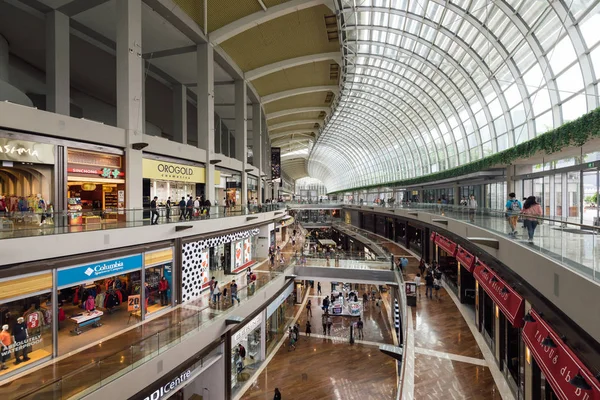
x=18, y=224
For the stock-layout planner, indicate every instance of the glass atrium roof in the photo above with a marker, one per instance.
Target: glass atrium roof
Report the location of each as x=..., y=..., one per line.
x=429, y=85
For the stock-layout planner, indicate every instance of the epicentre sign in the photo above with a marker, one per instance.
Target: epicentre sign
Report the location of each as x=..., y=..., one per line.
x=168, y=387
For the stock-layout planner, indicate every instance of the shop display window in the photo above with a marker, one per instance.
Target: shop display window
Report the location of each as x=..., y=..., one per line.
x=96, y=309
x=26, y=331
x=242, y=365
x=159, y=281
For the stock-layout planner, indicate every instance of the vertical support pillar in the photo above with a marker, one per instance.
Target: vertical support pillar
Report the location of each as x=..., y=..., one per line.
x=58, y=96
x=263, y=336
x=206, y=114
x=227, y=355
x=180, y=113
x=510, y=183
x=129, y=98
x=257, y=141
x=528, y=368
x=241, y=134
x=458, y=197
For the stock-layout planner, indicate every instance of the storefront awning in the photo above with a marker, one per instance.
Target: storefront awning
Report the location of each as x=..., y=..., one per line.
x=465, y=258
x=509, y=301
x=446, y=244
x=567, y=375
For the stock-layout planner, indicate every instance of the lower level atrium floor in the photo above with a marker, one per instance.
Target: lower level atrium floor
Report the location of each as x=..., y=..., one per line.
x=446, y=361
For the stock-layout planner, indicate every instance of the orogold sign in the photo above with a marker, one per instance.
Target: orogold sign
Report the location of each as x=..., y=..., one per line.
x=166, y=171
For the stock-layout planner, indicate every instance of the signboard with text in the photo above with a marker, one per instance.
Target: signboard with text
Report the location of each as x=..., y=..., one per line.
x=100, y=270
x=24, y=151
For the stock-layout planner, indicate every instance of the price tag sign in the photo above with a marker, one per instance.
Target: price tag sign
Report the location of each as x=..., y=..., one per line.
x=133, y=302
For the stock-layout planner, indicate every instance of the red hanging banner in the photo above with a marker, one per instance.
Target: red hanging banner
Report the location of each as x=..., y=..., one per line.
x=433, y=235
x=505, y=297
x=445, y=244
x=559, y=364
x=465, y=258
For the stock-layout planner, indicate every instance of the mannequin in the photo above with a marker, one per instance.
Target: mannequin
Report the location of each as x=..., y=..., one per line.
x=5, y=349
x=20, y=336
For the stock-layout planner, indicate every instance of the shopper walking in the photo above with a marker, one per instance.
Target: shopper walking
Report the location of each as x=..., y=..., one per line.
x=189, y=208
x=318, y=288
x=326, y=303
x=418, y=285
x=329, y=324
x=324, y=322
x=292, y=339
x=472, y=205
x=234, y=292
x=308, y=330
x=153, y=209
x=182, y=209
x=422, y=267
x=531, y=211
x=359, y=328
x=211, y=288
x=437, y=285
x=277, y=394
x=308, y=309
x=429, y=286
x=513, y=209
x=168, y=208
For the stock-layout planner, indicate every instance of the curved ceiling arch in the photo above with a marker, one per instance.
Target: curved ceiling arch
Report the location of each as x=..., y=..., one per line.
x=479, y=71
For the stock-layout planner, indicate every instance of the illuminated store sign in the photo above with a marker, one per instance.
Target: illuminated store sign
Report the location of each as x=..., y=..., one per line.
x=169, y=386
x=24, y=151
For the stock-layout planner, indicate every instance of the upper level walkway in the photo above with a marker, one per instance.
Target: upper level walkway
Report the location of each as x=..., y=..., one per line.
x=573, y=245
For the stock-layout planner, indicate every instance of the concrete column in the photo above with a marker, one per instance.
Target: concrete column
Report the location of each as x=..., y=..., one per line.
x=57, y=63
x=241, y=134
x=457, y=196
x=180, y=113
x=510, y=184
x=129, y=97
x=3, y=59
x=206, y=114
x=257, y=141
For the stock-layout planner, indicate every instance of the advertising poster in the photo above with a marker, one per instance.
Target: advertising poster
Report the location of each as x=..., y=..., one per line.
x=275, y=163
x=238, y=255
x=247, y=250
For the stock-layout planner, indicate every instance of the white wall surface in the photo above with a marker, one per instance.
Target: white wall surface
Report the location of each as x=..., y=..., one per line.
x=213, y=379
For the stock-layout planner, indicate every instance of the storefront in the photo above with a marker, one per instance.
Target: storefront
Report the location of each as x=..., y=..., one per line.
x=158, y=277
x=200, y=257
x=27, y=297
x=465, y=279
x=557, y=373
x=446, y=257
x=96, y=300
x=174, y=181
x=252, y=189
x=27, y=171
x=249, y=338
x=280, y=314
x=95, y=187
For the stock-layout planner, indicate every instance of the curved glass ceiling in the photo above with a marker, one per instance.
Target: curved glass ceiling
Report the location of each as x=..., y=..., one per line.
x=433, y=84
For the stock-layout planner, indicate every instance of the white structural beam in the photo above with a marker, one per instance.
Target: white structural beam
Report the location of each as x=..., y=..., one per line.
x=299, y=110
x=294, y=123
x=292, y=62
x=243, y=24
x=274, y=136
x=295, y=92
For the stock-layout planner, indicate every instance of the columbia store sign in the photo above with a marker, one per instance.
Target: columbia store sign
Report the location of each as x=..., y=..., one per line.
x=100, y=270
x=165, y=390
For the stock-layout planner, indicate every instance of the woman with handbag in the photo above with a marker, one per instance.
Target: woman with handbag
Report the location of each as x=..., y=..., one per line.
x=531, y=211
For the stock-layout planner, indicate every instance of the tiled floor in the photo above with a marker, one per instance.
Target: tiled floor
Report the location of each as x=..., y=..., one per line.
x=447, y=362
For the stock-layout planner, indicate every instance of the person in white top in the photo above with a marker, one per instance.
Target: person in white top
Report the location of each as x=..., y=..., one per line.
x=472, y=205
x=418, y=283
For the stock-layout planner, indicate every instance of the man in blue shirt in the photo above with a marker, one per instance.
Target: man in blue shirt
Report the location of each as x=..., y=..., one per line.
x=513, y=209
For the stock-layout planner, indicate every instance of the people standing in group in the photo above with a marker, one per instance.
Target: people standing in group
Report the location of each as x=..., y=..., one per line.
x=513, y=209
x=472, y=205
x=308, y=309
x=154, y=210
x=182, y=205
x=234, y=292
x=429, y=285
x=531, y=211
x=359, y=328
